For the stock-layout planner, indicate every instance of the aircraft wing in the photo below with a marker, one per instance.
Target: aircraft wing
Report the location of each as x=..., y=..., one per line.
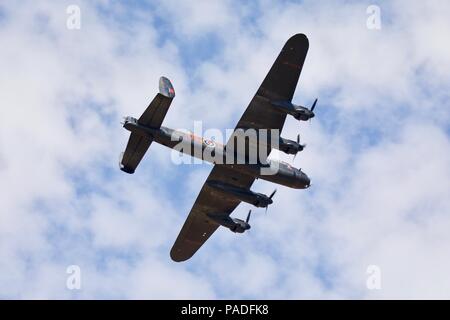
x=278, y=85
x=198, y=227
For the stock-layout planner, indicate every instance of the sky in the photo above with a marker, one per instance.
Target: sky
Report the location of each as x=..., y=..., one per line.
x=378, y=150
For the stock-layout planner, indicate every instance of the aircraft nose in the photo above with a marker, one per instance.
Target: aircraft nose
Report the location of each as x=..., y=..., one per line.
x=306, y=181
x=312, y=115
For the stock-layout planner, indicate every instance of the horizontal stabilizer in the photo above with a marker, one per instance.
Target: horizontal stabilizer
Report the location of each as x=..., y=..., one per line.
x=152, y=117
x=137, y=146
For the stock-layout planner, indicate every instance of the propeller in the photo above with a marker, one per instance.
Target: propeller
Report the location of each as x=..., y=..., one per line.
x=270, y=197
x=302, y=145
x=248, y=216
x=312, y=109
x=313, y=105
x=273, y=193
x=298, y=141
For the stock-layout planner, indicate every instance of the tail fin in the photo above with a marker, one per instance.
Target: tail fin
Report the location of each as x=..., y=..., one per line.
x=152, y=117
x=166, y=88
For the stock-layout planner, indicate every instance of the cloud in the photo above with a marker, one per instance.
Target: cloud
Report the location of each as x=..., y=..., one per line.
x=377, y=151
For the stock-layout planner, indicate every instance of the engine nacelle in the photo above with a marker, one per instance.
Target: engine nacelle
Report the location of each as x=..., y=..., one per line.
x=290, y=146
x=240, y=226
x=234, y=224
x=298, y=112
x=257, y=199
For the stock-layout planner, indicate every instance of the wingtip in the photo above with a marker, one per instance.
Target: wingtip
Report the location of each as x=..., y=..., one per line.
x=176, y=257
x=123, y=167
x=299, y=36
x=298, y=39
x=127, y=170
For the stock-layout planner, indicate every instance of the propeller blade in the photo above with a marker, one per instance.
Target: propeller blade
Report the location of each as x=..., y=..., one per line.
x=313, y=105
x=267, y=207
x=248, y=216
x=298, y=138
x=273, y=193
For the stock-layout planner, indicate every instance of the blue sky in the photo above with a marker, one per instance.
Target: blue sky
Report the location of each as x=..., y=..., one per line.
x=378, y=149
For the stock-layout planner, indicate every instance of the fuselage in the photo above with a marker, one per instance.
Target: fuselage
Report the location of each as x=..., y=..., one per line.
x=208, y=150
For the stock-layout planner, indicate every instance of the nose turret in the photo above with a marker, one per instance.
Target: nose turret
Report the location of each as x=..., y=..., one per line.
x=307, y=181
x=303, y=181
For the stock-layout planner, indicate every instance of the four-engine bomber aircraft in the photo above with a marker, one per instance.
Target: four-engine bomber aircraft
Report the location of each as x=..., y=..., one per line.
x=228, y=184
